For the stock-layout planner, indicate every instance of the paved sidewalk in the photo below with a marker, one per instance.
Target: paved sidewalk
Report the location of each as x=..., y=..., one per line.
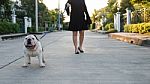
x=105, y=61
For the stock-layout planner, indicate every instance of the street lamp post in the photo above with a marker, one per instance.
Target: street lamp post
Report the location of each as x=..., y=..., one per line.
x=58, y=14
x=128, y=16
x=118, y=16
x=36, y=15
x=14, y=11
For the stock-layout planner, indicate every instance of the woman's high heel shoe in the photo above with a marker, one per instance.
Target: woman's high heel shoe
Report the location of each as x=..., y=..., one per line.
x=80, y=50
x=76, y=52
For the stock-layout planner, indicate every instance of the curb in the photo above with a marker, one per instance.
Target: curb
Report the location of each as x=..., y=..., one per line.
x=12, y=36
x=131, y=38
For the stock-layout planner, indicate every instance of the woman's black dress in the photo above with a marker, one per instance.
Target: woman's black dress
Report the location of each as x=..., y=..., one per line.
x=78, y=16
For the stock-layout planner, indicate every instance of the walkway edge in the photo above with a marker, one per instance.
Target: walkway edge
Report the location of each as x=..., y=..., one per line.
x=12, y=36
x=132, y=38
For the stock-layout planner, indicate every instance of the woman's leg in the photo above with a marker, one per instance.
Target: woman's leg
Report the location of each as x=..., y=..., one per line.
x=81, y=38
x=75, y=33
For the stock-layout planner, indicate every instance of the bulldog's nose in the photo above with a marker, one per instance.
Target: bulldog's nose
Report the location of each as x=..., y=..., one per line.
x=29, y=41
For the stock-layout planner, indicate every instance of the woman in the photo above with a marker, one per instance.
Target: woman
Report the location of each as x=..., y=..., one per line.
x=79, y=21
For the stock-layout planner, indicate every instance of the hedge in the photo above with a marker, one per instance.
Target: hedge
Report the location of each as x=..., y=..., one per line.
x=109, y=26
x=137, y=28
x=8, y=27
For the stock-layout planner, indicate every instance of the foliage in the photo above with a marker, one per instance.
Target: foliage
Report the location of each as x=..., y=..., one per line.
x=110, y=10
x=96, y=15
x=139, y=1
x=6, y=5
x=53, y=15
x=124, y=5
x=109, y=26
x=93, y=26
x=141, y=12
x=45, y=15
x=66, y=26
x=136, y=17
x=111, y=31
x=29, y=7
x=7, y=28
x=137, y=28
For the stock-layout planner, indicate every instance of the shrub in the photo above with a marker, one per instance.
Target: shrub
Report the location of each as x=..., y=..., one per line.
x=8, y=27
x=31, y=29
x=109, y=26
x=66, y=26
x=41, y=29
x=137, y=28
x=148, y=27
x=111, y=31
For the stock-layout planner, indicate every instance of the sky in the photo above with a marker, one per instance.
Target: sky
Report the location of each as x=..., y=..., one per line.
x=91, y=4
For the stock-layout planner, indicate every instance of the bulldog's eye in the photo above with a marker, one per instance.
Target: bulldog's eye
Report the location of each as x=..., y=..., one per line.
x=25, y=38
x=33, y=38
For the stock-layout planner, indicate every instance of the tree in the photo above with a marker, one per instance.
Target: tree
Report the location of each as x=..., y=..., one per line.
x=124, y=5
x=29, y=7
x=43, y=14
x=139, y=1
x=141, y=11
x=112, y=6
x=6, y=6
x=4, y=2
x=95, y=16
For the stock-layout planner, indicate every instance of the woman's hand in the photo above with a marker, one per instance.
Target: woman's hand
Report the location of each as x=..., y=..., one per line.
x=67, y=8
x=67, y=5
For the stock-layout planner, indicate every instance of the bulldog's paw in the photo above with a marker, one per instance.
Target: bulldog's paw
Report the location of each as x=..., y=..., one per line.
x=24, y=66
x=42, y=65
x=29, y=63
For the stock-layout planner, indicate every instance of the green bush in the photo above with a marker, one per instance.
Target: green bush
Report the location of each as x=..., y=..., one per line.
x=137, y=28
x=111, y=31
x=8, y=27
x=33, y=29
x=66, y=26
x=109, y=26
x=41, y=29
x=93, y=25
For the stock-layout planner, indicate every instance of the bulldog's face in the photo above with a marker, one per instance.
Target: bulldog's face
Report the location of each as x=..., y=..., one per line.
x=30, y=41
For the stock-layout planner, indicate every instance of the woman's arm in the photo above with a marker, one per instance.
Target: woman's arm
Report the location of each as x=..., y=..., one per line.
x=87, y=14
x=67, y=5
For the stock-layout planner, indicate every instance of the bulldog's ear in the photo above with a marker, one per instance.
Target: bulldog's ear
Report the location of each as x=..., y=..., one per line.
x=36, y=37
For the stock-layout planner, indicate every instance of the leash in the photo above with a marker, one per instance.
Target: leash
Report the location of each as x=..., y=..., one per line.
x=44, y=34
x=10, y=62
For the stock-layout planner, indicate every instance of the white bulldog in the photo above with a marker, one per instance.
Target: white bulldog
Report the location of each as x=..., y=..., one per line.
x=32, y=48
